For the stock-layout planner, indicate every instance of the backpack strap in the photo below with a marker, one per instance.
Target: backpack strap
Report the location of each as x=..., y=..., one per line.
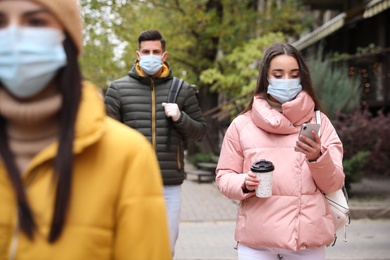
x=174, y=90
x=343, y=189
x=318, y=120
x=172, y=96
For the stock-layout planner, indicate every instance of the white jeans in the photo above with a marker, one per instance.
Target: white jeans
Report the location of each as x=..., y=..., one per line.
x=248, y=253
x=172, y=195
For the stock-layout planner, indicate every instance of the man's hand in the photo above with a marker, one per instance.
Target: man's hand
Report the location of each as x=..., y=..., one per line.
x=172, y=110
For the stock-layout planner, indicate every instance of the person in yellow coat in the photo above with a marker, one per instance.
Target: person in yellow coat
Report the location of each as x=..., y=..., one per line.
x=74, y=184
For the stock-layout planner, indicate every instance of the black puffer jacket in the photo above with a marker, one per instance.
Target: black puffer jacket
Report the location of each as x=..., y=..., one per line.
x=136, y=101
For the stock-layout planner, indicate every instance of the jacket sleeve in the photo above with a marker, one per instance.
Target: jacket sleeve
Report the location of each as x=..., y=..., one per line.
x=230, y=177
x=112, y=102
x=142, y=225
x=327, y=171
x=192, y=124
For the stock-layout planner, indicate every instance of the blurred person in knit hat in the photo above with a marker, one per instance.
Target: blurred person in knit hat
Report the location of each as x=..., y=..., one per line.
x=63, y=195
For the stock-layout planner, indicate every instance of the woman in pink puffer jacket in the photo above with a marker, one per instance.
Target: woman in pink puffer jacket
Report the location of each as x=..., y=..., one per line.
x=295, y=222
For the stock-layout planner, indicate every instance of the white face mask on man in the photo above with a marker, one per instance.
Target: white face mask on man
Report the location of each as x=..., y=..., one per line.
x=29, y=59
x=284, y=90
x=151, y=64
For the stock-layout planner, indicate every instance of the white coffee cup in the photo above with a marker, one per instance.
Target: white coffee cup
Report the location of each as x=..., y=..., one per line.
x=264, y=171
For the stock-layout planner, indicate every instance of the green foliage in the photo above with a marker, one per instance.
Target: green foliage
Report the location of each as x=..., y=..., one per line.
x=371, y=48
x=361, y=131
x=354, y=167
x=289, y=18
x=202, y=157
x=197, y=33
x=340, y=56
x=101, y=58
x=236, y=72
x=338, y=92
x=97, y=54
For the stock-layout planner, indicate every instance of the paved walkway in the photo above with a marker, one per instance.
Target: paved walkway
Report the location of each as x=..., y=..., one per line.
x=208, y=222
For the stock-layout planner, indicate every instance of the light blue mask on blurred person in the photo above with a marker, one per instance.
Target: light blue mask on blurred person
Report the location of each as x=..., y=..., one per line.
x=151, y=64
x=29, y=59
x=284, y=90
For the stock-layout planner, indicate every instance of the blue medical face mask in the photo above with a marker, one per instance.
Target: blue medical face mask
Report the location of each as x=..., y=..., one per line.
x=284, y=90
x=29, y=59
x=151, y=64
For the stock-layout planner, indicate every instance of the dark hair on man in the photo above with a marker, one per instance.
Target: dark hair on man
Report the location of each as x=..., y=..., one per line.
x=151, y=35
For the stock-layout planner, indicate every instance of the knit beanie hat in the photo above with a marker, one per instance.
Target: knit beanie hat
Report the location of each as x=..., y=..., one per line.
x=68, y=13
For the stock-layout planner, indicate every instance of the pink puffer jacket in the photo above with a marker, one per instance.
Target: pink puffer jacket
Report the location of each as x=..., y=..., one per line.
x=296, y=216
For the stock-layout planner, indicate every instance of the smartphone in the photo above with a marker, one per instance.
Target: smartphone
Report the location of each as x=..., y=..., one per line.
x=306, y=130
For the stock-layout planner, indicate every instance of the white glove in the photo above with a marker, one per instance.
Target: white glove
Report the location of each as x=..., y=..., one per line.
x=172, y=110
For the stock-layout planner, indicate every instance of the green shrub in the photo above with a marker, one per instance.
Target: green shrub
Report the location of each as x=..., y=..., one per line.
x=354, y=168
x=202, y=157
x=361, y=131
x=337, y=91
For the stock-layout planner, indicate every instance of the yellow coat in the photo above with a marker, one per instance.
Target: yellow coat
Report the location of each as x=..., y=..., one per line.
x=117, y=209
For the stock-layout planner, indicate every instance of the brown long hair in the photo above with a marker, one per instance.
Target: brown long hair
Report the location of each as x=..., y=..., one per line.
x=284, y=49
x=69, y=85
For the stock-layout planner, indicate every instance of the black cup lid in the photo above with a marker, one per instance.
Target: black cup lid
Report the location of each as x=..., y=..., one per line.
x=262, y=166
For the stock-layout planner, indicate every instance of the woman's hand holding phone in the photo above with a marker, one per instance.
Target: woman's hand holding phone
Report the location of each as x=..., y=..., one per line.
x=309, y=142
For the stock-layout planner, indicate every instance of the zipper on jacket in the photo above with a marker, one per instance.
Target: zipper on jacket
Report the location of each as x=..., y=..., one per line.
x=153, y=96
x=178, y=157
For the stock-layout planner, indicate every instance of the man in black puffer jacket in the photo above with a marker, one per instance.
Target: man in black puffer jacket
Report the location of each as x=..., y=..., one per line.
x=139, y=100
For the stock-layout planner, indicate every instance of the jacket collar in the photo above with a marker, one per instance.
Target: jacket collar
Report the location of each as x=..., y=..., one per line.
x=136, y=73
x=294, y=114
x=164, y=72
x=89, y=127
